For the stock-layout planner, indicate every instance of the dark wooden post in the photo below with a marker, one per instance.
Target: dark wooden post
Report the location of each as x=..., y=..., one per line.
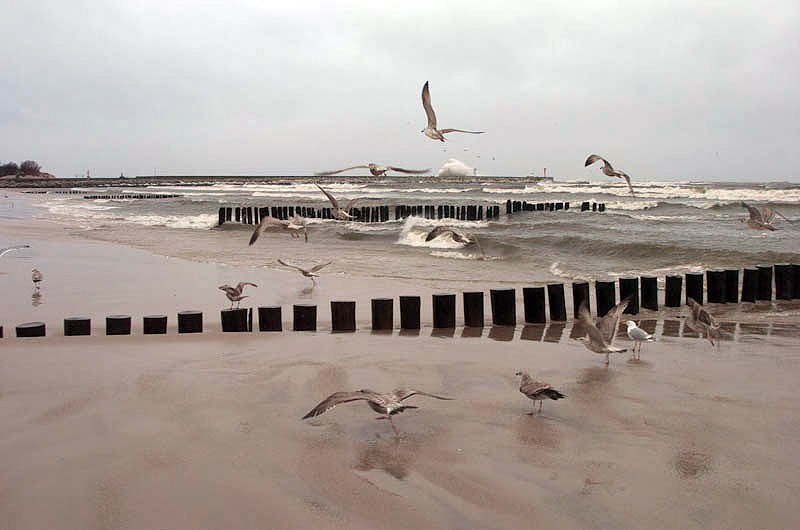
x=764, y=282
x=221, y=216
x=118, y=325
x=235, y=320
x=270, y=318
x=580, y=294
x=504, y=307
x=795, y=281
x=154, y=324
x=630, y=287
x=649, y=290
x=190, y=322
x=382, y=314
x=343, y=316
x=673, y=286
x=605, y=296
x=409, y=312
x=783, y=281
x=555, y=299
x=694, y=286
x=533, y=301
x=74, y=326
x=749, y=284
x=444, y=311
x=473, y=309
x=715, y=286
x=732, y=286
x=31, y=329
x=305, y=317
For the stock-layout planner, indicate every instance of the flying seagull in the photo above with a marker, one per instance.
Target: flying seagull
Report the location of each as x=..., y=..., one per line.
x=308, y=273
x=377, y=170
x=537, y=391
x=294, y=226
x=594, y=340
x=387, y=404
x=609, y=170
x=761, y=218
x=234, y=294
x=343, y=214
x=4, y=251
x=430, y=130
x=701, y=320
x=609, y=323
x=457, y=235
x=638, y=336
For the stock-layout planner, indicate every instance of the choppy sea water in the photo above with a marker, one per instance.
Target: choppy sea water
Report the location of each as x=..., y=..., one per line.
x=667, y=227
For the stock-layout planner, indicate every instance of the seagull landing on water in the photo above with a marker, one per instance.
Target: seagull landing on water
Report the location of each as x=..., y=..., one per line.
x=343, y=214
x=761, y=218
x=234, y=294
x=594, y=339
x=387, y=404
x=702, y=321
x=377, y=170
x=4, y=251
x=537, y=391
x=638, y=336
x=294, y=226
x=308, y=273
x=430, y=130
x=459, y=236
x=609, y=170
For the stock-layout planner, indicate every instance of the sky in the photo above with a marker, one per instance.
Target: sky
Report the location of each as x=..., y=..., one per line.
x=664, y=90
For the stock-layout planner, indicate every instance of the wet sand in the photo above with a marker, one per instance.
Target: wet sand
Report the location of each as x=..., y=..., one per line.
x=204, y=431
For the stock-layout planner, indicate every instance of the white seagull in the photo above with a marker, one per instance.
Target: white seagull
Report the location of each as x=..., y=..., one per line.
x=308, y=273
x=430, y=130
x=377, y=170
x=609, y=170
x=343, y=214
x=638, y=336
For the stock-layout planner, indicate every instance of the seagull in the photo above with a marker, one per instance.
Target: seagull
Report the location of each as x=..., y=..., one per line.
x=387, y=404
x=594, y=339
x=430, y=130
x=609, y=323
x=761, y=218
x=457, y=235
x=308, y=273
x=701, y=320
x=343, y=214
x=537, y=391
x=294, y=226
x=609, y=170
x=37, y=277
x=638, y=336
x=4, y=251
x=377, y=170
x=234, y=294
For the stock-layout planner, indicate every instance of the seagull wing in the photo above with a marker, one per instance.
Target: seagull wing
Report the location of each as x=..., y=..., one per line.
x=241, y=285
x=290, y=265
x=426, y=104
x=529, y=387
x=317, y=268
x=755, y=213
x=335, y=399
x=326, y=173
x=265, y=223
x=594, y=158
x=404, y=393
x=413, y=171
x=352, y=202
x=6, y=250
x=627, y=179
x=330, y=197
x=609, y=322
x=436, y=232
x=445, y=131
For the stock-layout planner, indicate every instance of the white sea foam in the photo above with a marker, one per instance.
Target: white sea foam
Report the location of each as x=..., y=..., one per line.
x=173, y=221
x=450, y=254
x=416, y=229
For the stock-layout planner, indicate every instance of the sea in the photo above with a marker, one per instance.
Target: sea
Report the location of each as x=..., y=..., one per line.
x=667, y=227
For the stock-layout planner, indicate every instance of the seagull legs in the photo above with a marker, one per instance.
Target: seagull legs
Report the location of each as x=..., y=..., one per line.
x=607, y=359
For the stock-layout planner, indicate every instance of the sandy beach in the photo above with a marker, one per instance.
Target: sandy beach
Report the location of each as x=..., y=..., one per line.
x=204, y=431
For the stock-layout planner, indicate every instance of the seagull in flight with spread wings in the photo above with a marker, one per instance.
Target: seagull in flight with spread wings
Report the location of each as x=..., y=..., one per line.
x=609, y=170
x=377, y=170
x=430, y=130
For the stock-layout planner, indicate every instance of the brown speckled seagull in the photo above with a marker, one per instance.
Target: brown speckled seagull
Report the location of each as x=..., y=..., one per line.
x=537, y=391
x=609, y=170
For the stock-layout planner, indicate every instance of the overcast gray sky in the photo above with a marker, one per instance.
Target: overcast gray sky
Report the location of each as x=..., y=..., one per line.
x=664, y=90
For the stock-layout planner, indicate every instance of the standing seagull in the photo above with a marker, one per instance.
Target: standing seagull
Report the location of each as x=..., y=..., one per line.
x=761, y=218
x=343, y=214
x=594, y=340
x=430, y=130
x=308, y=273
x=377, y=170
x=638, y=336
x=234, y=294
x=4, y=251
x=387, y=404
x=701, y=320
x=537, y=391
x=37, y=277
x=294, y=226
x=609, y=170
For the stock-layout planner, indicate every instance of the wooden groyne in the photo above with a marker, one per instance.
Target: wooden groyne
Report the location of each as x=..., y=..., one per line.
x=767, y=284
x=116, y=196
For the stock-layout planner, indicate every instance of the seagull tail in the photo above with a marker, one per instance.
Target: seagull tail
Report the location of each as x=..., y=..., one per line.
x=553, y=394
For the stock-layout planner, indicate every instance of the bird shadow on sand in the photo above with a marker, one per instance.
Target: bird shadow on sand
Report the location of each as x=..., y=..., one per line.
x=306, y=292
x=390, y=454
x=538, y=430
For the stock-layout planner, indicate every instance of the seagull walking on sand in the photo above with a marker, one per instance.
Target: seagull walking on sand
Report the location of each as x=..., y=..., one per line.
x=234, y=294
x=343, y=214
x=537, y=391
x=37, y=278
x=308, y=273
x=702, y=321
x=387, y=404
x=638, y=336
x=377, y=170
x=294, y=226
x=761, y=218
x=609, y=170
x=4, y=251
x=430, y=130
x=594, y=339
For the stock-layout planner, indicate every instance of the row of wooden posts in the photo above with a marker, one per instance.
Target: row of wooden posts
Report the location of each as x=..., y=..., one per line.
x=118, y=196
x=538, y=303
